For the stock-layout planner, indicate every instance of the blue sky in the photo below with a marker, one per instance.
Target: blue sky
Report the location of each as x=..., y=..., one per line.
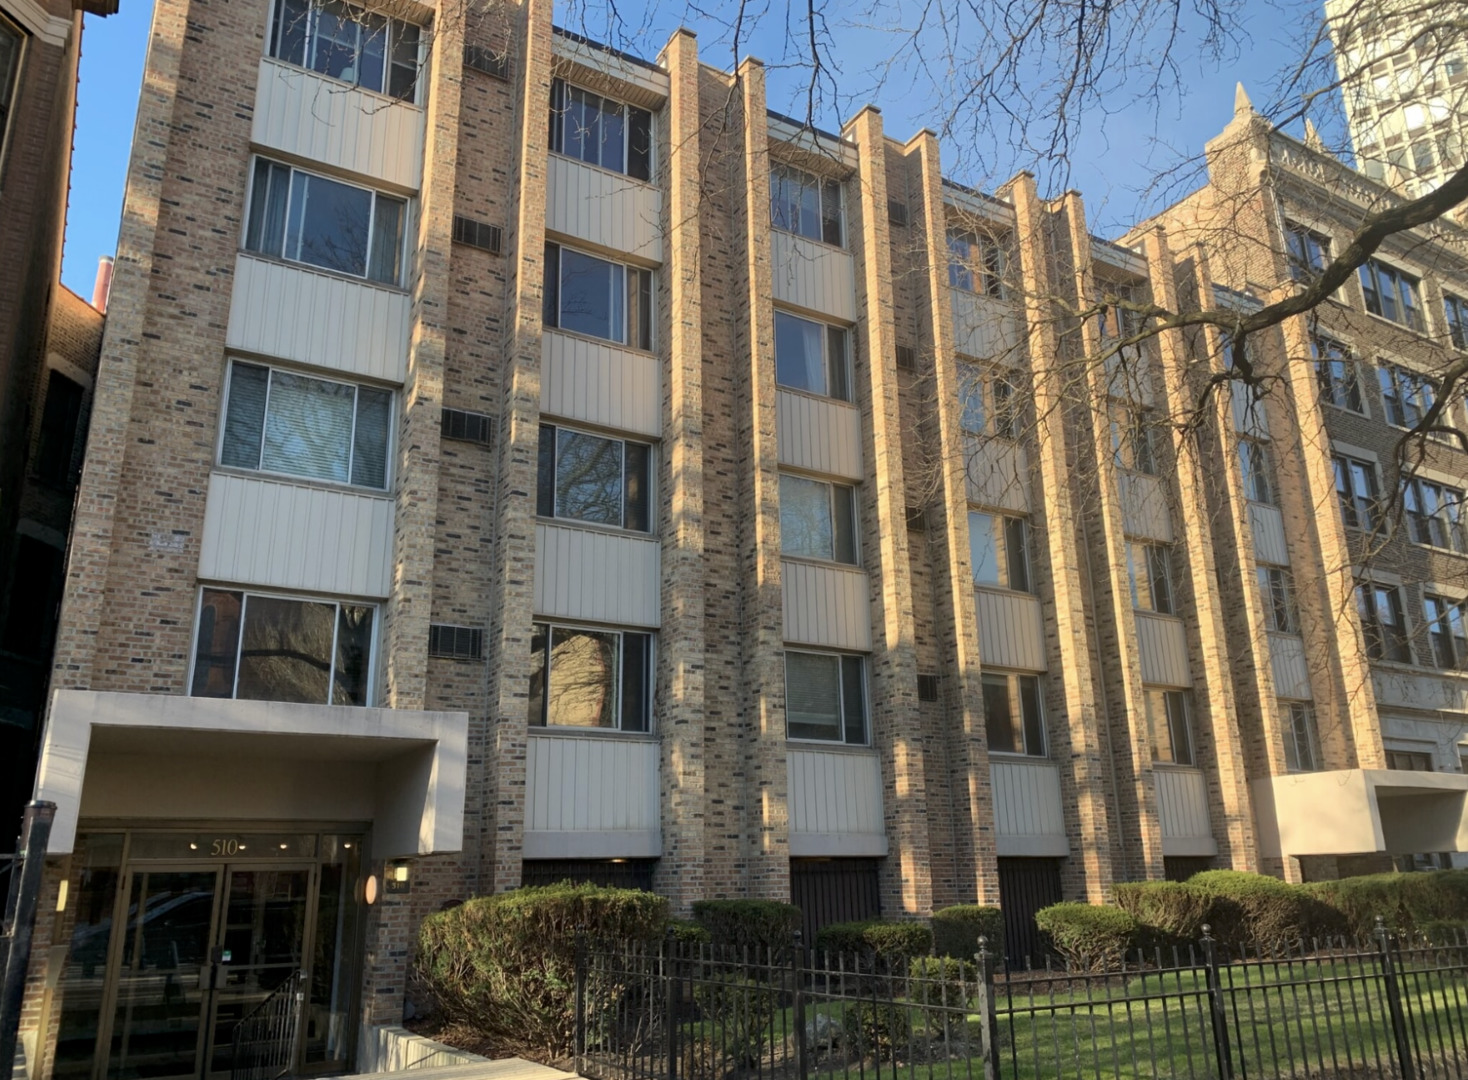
x=1122, y=146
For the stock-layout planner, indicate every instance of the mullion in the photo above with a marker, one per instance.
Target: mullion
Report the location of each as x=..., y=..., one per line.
x=352, y=437
x=336, y=629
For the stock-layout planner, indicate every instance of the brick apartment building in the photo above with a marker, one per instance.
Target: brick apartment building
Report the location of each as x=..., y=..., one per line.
x=541, y=462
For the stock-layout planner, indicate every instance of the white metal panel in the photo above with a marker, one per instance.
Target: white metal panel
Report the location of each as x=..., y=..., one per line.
x=1267, y=524
x=1028, y=818
x=1291, y=673
x=1182, y=812
x=590, y=574
x=599, y=383
x=998, y=473
x=605, y=209
x=984, y=327
x=1163, y=646
x=819, y=434
x=295, y=313
x=1144, y=506
x=835, y=800
x=814, y=276
x=591, y=795
x=315, y=118
x=1011, y=630
x=827, y=605
x=271, y=532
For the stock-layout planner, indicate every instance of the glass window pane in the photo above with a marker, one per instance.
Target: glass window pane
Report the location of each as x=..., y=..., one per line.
x=983, y=556
x=853, y=700
x=265, y=231
x=353, y=655
x=1017, y=553
x=588, y=300
x=545, y=473
x=809, y=224
x=1157, y=727
x=387, y=240
x=1160, y=573
x=971, y=399
x=371, y=439
x=288, y=35
x=334, y=50
x=1177, y=720
x=328, y=224
x=286, y=650
x=799, y=363
x=805, y=518
x=588, y=477
x=551, y=300
x=373, y=65
x=831, y=213
x=638, y=487
x=838, y=364
x=639, y=143
x=1034, y=715
x=636, y=682
x=583, y=678
x=613, y=136
x=217, y=645
x=244, y=423
x=308, y=427
x=539, y=636
x=844, y=499
x=999, y=716
x=403, y=79
x=812, y=696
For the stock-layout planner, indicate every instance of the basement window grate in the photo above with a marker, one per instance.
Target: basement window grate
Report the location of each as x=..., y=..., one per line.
x=897, y=212
x=917, y=519
x=906, y=358
x=467, y=427
x=478, y=234
x=455, y=642
x=927, y=688
x=488, y=61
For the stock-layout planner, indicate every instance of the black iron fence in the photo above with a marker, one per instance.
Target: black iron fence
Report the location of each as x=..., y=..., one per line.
x=1386, y=1007
x=265, y=1038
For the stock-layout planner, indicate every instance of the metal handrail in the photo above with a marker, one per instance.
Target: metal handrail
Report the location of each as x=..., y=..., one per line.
x=265, y=1037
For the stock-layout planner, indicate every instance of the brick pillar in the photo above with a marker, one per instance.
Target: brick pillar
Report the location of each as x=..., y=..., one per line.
x=767, y=821
x=512, y=589
x=955, y=606
x=680, y=873
x=1076, y=743
x=907, y=884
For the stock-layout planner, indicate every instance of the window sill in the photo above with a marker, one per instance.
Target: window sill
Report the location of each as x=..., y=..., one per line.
x=1440, y=550
x=855, y=749
x=829, y=564
x=827, y=398
x=1015, y=757
x=302, y=481
x=608, y=342
x=1158, y=615
x=1003, y=590
x=1419, y=332
x=592, y=526
x=1002, y=298
x=810, y=240
x=386, y=99
x=648, y=184
x=1173, y=766
x=558, y=732
x=324, y=271
x=1344, y=408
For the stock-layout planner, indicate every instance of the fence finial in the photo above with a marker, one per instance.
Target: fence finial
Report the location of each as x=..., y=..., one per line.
x=1207, y=932
x=983, y=953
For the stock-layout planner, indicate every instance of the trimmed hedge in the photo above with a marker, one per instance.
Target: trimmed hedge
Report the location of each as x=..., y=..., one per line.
x=1408, y=902
x=887, y=940
x=956, y=931
x=1168, y=912
x=688, y=932
x=942, y=980
x=754, y=924
x=1090, y=937
x=505, y=964
x=1256, y=911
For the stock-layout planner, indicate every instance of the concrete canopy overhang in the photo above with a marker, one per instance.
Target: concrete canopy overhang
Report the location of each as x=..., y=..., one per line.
x=175, y=758
x=1362, y=811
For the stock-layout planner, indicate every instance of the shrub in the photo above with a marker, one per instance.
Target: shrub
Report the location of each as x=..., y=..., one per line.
x=753, y=924
x=688, y=932
x=505, y=964
x=956, y=931
x=1406, y=902
x=1262, y=912
x=888, y=941
x=742, y=1010
x=876, y=1028
x=1168, y=912
x=1091, y=937
x=942, y=981
x=1439, y=896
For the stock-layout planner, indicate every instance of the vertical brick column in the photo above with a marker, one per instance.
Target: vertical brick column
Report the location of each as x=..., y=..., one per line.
x=1074, y=725
x=767, y=820
x=680, y=873
x=512, y=589
x=907, y=884
x=956, y=610
x=1229, y=807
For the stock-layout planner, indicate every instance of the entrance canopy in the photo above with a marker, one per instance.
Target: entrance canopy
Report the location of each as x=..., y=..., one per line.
x=1362, y=811
x=168, y=757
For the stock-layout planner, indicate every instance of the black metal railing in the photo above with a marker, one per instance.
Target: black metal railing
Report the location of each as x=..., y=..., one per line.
x=1389, y=1006
x=265, y=1037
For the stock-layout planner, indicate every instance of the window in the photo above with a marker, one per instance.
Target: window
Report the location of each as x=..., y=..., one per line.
x=1308, y=251
x=1434, y=514
x=61, y=417
x=1131, y=439
x=1446, y=632
x=347, y=43
x=812, y=356
x=1301, y=737
x=1355, y=486
x=1256, y=470
x=256, y=647
x=1276, y=592
x=1405, y=395
x=1455, y=314
x=999, y=548
x=584, y=678
x=1149, y=568
x=279, y=421
x=989, y=401
x=602, y=299
x=1013, y=715
x=12, y=42
x=1170, y=726
x=594, y=478
x=977, y=264
x=600, y=131
x=1335, y=372
x=1409, y=760
x=1118, y=317
x=825, y=697
x=806, y=205
x=1383, y=623
x=1390, y=293
x=312, y=219
x=817, y=519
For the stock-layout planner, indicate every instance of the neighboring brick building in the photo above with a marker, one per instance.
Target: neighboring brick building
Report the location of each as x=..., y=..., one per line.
x=544, y=463
x=48, y=356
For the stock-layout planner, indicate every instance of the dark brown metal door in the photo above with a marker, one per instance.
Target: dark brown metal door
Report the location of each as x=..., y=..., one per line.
x=1026, y=886
x=834, y=891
